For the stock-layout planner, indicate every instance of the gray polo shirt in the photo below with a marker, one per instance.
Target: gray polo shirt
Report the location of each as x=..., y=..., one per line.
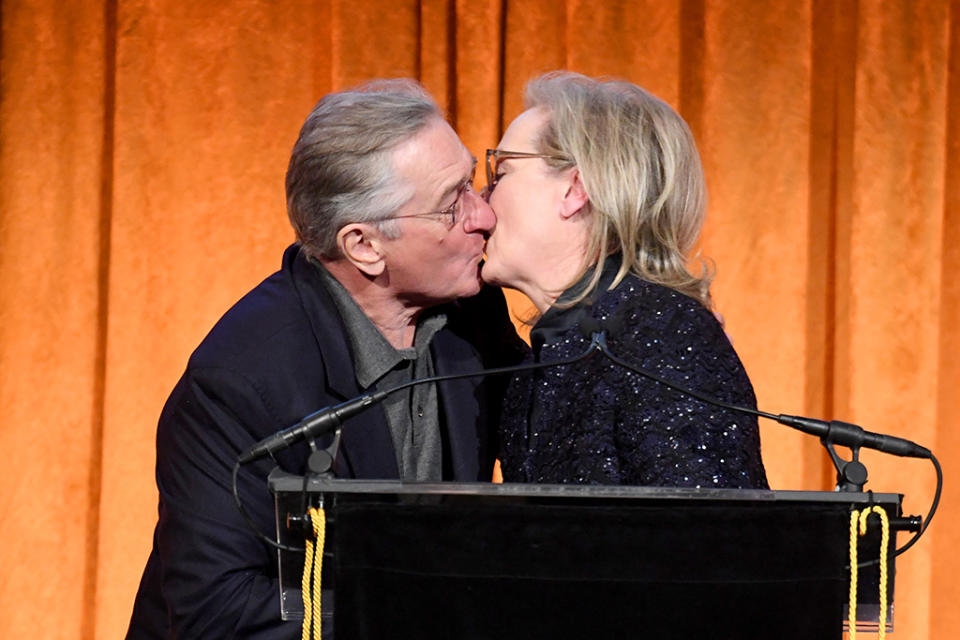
x=412, y=414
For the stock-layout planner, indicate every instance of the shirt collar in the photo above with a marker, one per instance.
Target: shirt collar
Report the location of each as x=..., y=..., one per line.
x=373, y=355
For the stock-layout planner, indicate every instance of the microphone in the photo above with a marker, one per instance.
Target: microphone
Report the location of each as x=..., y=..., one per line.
x=834, y=431
x=853, y=436
x=329, y=418
x=315, y=424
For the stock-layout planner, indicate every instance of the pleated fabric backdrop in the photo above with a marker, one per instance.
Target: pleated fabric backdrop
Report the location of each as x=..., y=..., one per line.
x=142, y=150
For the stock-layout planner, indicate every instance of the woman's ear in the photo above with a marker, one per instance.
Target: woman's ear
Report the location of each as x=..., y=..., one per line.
x=576, y=195
x=360, y=244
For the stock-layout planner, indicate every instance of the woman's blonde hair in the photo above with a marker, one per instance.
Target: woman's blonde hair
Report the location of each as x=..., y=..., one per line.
x=641, y=172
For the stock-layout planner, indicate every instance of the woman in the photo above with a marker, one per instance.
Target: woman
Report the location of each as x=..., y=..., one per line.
x=599, y=195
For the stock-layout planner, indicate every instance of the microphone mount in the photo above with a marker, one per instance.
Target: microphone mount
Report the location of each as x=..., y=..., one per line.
x=851, y=474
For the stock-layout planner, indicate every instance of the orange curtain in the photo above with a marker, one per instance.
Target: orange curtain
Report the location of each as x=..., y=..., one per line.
x=142, y=152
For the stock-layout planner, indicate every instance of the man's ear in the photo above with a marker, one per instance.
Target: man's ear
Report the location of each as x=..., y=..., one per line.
x=576, y=195
x=360, y=244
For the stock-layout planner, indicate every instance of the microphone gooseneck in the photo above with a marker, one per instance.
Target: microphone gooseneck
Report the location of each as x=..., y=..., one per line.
x=833, y=431
x=329, y=418
x=830, y=432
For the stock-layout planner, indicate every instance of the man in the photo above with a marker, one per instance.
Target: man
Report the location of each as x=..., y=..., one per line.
x=390, y=232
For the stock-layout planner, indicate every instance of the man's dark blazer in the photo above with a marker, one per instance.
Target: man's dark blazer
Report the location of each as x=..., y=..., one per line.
x=279, y=354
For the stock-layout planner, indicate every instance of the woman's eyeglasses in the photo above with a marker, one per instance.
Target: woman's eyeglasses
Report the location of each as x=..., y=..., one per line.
x=496, y=156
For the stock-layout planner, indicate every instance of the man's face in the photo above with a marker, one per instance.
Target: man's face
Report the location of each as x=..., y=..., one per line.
x=432, y=262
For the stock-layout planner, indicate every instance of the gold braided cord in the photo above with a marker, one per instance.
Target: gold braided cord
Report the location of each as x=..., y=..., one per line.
x=319, y=519
x=852, y=598
x=312, y=569
x=305, y=591
x=884, y=548
x=860, y=518
x=884, y=545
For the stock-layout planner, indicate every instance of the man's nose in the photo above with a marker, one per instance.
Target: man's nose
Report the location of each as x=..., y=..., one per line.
x=480, y=216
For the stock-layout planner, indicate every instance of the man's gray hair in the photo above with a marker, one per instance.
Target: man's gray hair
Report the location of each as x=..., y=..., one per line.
x=341, y=168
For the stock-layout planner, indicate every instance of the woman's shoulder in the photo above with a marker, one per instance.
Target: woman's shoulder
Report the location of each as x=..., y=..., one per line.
x=635, y=301
x=665, y=331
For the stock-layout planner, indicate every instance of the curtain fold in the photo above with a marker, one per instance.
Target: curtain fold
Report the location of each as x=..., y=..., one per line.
x=143, y=146
x=53, y=218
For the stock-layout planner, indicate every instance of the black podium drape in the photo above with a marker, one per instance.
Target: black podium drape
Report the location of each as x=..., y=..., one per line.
x=589, y=572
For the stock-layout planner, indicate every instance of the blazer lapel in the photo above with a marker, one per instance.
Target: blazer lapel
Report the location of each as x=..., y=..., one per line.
x=366, y=446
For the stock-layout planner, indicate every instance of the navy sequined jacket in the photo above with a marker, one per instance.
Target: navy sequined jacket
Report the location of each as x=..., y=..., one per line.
x=595, y=422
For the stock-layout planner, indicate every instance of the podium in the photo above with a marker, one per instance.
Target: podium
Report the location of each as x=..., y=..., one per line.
x=451, y=560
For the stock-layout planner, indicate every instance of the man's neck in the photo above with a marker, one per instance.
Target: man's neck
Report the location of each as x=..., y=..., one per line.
x=394, y=318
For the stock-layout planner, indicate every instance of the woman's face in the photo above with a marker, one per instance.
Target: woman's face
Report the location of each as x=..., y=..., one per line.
x=533, y=246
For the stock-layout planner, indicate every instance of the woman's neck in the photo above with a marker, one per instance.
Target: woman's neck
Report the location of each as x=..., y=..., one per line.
x=553, y=278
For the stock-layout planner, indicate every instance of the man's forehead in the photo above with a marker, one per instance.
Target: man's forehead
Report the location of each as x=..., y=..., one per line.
x=465, y=157
x=435, y=155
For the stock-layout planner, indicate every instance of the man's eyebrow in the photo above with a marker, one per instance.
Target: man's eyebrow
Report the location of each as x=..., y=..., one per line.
x=460, y=183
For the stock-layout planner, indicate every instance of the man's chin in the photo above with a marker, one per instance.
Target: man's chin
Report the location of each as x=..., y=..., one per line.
x=474, y=290
x=468, y=286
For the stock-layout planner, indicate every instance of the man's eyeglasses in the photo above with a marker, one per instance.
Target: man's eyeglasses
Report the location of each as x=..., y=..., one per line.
x=496, y=156
x=451, y=214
